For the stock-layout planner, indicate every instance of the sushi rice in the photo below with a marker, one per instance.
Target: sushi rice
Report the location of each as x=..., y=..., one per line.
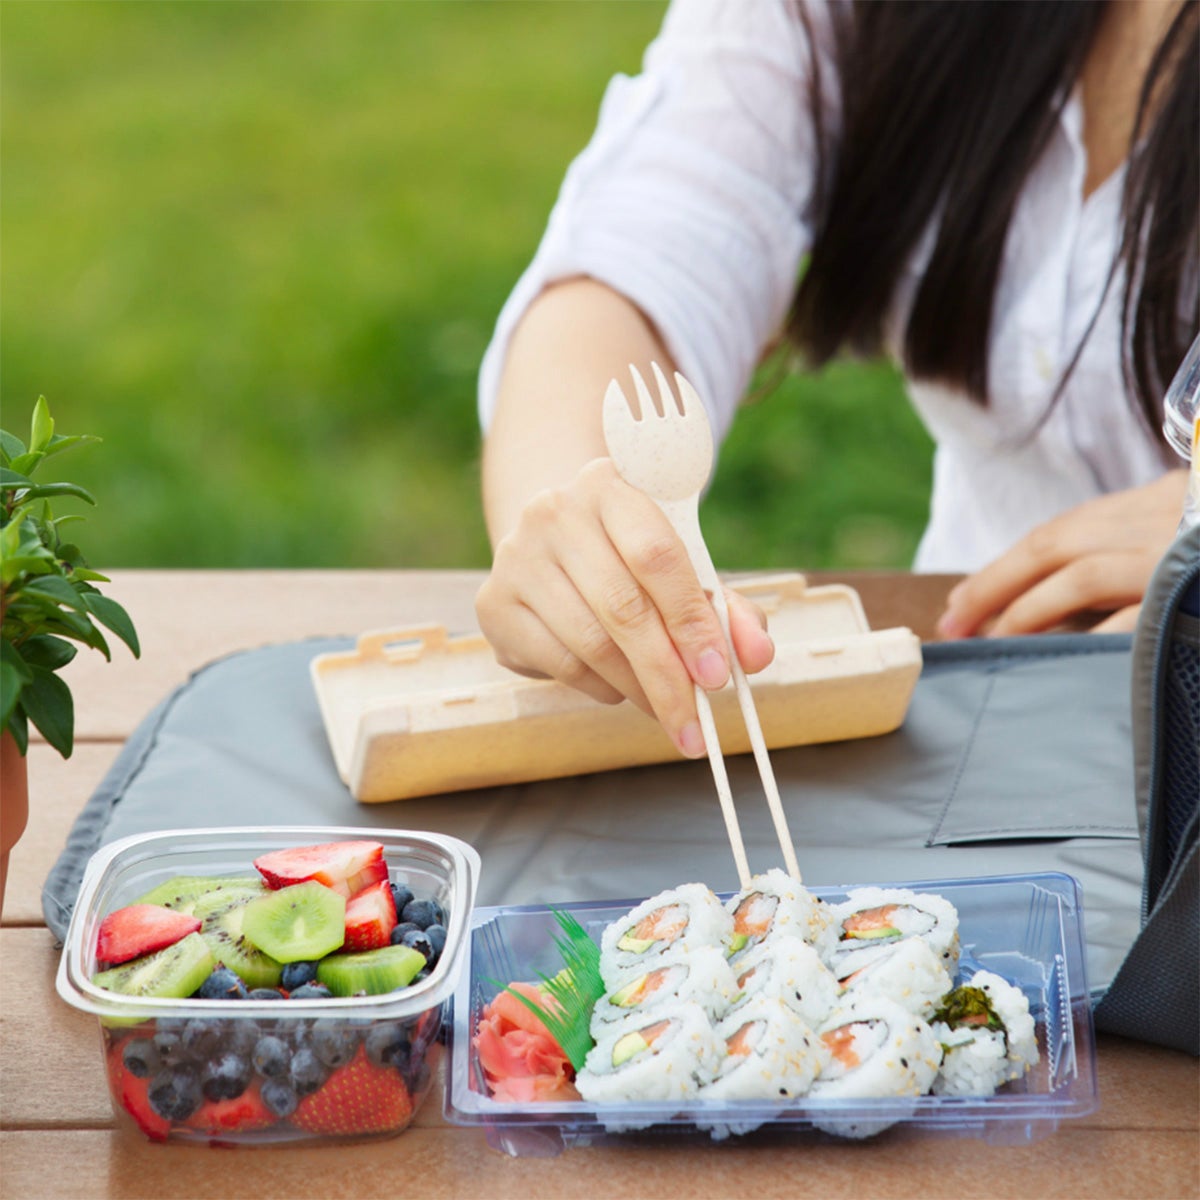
x=703, y=976
x=789, y=970
x=660, y=929
x=977, y=1059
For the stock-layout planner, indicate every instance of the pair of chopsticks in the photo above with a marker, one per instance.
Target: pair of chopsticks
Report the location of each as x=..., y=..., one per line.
x=664, y=448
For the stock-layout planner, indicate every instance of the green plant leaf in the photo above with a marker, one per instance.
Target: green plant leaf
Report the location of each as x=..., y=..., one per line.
x=24, y=464
x=110, y=614
x=59, y=444
x=11, y=481
x=47, y=703
x=56, y=588
x=11, y=657
x=38, y=491
x=11, y=446
x=41, y=427
x=18, y=726
x=17, y=565
x=46, y=650
x=10, y=691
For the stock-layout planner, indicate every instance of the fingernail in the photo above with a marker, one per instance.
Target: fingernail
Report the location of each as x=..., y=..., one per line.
x=949, y=626
x=711, y=669
x=691, y=740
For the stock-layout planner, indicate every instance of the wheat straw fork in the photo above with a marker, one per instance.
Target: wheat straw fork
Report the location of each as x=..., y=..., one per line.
x=665, y=450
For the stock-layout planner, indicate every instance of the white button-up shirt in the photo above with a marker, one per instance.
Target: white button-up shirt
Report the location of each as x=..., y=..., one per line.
x=693, y=200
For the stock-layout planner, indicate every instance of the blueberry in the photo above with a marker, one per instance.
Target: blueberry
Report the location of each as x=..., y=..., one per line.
x=297, y=974
x=387, y=1045
x=169, y=1047
x=333, y=1041
x=266, y=994
x=141, y=1058
x=279, y=1097
x=417, y=1076
x=201, y=1038
x=307, y=1072
x=419, y=940
x=222, y=984
x=436, y=933
x=175, y=1093
x=423, y=913
x=401, y=895
x=398, y=931
x=168, y=1040
x=271, y=1056
x=242, y=1036
x=311, y=991
x=226, y=1077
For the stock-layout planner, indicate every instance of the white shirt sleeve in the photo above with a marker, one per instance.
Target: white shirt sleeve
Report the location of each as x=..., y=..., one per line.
x=692, y=197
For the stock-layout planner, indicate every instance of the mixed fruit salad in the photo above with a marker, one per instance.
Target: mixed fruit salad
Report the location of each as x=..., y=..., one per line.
x=316, y=922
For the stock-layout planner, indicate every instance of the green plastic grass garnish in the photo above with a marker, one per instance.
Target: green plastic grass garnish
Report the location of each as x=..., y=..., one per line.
x=575, y=990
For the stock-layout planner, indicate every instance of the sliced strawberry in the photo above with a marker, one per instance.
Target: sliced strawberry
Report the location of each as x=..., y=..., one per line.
x=141, y=929
x=347, y=867
x=370, y=918
x=242, y=1113
x=131, y=1093
x=357, y=1098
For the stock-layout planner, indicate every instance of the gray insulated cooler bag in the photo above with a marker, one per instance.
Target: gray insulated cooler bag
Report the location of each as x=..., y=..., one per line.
x=1155, y=995
x=1014, y=757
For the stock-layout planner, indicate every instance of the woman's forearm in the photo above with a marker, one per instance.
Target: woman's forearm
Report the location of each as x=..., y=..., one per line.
x=576, y=337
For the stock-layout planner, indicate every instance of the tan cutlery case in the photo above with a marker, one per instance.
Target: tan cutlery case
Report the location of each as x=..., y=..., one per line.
x=417, y=711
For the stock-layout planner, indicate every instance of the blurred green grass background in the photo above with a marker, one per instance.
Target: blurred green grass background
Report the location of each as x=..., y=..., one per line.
x=258, y=248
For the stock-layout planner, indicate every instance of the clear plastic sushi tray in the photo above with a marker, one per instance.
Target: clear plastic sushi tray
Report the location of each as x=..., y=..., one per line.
x=1026, y=928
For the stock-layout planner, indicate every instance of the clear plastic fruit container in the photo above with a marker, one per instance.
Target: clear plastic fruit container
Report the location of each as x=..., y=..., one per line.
x=1026, y=928
x=379, y=1053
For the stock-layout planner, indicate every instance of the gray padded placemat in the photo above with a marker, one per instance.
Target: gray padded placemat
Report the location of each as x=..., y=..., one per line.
x=1014, y=757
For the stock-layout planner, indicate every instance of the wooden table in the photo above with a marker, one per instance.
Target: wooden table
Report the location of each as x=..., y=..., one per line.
x=59, y=1138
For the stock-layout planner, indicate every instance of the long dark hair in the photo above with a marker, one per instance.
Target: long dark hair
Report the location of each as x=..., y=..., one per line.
x=945, y=99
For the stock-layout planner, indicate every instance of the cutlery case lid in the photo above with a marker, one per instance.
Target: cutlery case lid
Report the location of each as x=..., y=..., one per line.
x=417, y=711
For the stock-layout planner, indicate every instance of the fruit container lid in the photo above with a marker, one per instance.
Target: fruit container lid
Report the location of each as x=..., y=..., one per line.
x=123, y=870
x=1026, y=928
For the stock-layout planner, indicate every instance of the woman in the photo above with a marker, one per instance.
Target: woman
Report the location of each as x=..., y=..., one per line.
x=1002, y=195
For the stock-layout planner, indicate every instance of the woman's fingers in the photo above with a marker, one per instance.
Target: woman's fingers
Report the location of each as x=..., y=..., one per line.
x=1063, y=567
x=1095, y=583
x=544, y=656
x=603, y=620
x=748, y=628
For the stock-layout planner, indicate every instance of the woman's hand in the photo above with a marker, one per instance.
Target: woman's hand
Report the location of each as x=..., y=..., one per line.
x=593, y=587
x=1096, y=558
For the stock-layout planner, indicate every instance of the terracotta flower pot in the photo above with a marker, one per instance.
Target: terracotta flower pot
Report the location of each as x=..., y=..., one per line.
x=14, y=803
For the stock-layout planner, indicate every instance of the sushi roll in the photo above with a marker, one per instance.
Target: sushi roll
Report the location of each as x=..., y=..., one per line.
x=667, y=1056
x=775, y=903
x=871, y=920
x=987, y=1034
x=877, y=1049
x=789, y=970
x=662, y=929
x=909, y=973
x=704, y=977
x=770, y=1053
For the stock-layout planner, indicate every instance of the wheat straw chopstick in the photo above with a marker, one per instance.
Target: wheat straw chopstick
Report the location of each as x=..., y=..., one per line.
x=665, y=450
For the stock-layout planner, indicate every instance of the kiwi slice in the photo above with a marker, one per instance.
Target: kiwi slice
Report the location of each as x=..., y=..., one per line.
x=297, y=923
x=222, y=926
x=184, y=891
x=175, y=972
x=370, y=971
